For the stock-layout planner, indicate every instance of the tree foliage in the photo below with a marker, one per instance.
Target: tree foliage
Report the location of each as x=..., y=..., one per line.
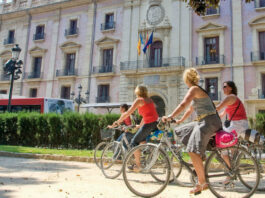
x=200, y=6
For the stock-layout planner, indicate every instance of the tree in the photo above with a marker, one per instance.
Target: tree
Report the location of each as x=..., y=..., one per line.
x=199, y=6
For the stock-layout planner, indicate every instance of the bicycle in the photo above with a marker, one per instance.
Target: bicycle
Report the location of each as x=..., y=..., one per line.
x=158, y=164
x=107, y=135
x=113, y=154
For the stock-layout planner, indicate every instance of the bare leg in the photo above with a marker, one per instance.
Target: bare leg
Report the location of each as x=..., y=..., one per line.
x=198, y=165
x=137, y=156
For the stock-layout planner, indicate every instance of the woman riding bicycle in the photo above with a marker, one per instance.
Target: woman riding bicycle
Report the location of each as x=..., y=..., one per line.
x=196, y=135
x=147, y=110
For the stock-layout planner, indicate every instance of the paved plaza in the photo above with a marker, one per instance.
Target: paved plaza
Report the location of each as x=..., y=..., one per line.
x=20, y=177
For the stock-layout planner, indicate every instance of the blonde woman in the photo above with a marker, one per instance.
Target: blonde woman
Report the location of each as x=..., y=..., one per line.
x=196, y=135
x=147, y=110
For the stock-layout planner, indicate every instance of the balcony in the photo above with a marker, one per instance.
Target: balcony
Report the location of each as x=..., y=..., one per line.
x=257, y=57
x=105, y=70
x=261, y=94
x=4, y=77
x=107, y=26
x=33, y=75
x=103, y=99
x=9, y=41
x=66, y=72
x=164, y=64
x=71, y=32
x=37, y=37
x=212, y=11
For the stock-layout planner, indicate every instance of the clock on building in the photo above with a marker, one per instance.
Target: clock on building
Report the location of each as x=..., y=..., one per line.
x=155, y=14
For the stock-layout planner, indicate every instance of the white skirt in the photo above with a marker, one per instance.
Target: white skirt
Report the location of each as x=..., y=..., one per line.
x=240, y=126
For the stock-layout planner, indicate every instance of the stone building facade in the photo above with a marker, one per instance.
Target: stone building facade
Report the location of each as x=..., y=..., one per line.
x=94, y=43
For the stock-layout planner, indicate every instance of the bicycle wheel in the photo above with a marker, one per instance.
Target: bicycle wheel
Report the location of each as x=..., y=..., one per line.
x=257, y=153
x=154, y=173
x=244, y=170
x=111, y=160
x=98, y=152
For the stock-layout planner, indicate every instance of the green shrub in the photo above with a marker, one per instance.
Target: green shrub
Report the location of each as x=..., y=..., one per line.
x=258, y=123
x=43, y=130
x=10, y=129
x=56, y=130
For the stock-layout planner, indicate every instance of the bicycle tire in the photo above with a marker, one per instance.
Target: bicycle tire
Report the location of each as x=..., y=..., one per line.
x=135, y=181
x=216, y=172
x=111, y=160
x=99, y=147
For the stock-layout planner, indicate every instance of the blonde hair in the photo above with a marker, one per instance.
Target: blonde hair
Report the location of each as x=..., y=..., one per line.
x=191, y=75
x=141, y=91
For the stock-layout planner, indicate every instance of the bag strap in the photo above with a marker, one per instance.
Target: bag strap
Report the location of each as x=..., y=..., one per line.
x=235, y=110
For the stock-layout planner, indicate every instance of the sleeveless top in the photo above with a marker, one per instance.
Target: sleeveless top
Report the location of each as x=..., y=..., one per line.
x=148, y=112
x=203, y=106
x=240, y=113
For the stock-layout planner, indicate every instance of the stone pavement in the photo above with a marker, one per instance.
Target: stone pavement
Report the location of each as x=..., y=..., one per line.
x=21, y=177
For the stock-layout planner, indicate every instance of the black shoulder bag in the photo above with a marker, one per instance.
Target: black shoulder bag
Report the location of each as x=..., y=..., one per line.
x=227, y=122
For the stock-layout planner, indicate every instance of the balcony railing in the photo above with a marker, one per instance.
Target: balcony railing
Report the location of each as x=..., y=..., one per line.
x=216, y=59
x=32, y=75
x=107, y=26
x=9, y=41
x=38, y=37
x=71, y=31
x=103, y=69
x=257, y=56
x=4, y=77
x=259, y=3
x=165, y=62
x=67, y=72
x=261, y=94
x=103, y=99
x=212, y=11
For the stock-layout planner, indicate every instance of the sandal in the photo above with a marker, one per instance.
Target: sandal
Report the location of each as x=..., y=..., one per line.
x=199, y=187
x=134, y=168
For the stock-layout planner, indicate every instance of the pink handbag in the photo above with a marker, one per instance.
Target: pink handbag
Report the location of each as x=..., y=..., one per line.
x=225, y=139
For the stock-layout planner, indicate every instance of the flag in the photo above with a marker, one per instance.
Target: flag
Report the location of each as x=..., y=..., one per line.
x=142, y=40
x=139, y=46
x=150, y=41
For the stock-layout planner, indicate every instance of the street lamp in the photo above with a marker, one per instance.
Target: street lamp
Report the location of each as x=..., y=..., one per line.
x=13, y=68
x=79, y=100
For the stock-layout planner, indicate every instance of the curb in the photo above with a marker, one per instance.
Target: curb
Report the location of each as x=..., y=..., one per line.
x=47, y=157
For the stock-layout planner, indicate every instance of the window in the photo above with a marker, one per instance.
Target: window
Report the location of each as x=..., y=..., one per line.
x=107, y=58
x=211, y=11
x=156, y=54
x=65, y=92
x=211, y=50
x=39, y=32
x=103, y=93
x=262, y=45
x=214, y=83
x=70, y=64
x=109, y=22
x=33, y=92
x=36, y=67
x=263, y=86
x=261, y=3
x=73, y=27
x=261, y=111
x=11, y=37
x=3, y=91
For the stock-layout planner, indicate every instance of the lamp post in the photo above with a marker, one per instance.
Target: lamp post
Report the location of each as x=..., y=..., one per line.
x=13, y=68
x=79, y=100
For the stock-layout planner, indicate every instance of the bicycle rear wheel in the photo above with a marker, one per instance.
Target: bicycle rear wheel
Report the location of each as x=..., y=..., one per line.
x=111, y=160
x=98, y=152
x=244, y=170
x=153, y=175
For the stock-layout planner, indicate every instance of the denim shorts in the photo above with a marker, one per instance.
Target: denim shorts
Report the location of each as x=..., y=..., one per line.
x=143, y=132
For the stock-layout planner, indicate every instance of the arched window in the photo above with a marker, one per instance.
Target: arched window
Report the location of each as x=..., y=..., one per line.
x=156, y=54
x=160, y=105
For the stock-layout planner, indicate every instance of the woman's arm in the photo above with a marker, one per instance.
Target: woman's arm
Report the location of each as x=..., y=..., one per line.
x=185, y=102
x=134, y=106
x=186, y=115
x=230, y=99
x=222, y=114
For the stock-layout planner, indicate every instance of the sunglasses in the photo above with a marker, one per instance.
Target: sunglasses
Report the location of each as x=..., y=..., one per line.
x=225, y=86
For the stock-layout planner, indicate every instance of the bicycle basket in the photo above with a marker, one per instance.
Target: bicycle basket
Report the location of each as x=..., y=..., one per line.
x=107, y=133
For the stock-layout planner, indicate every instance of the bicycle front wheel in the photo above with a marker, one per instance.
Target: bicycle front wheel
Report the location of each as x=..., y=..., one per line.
x=153, y=176
x=111, y=160
x=98, y=152
x=241, y=180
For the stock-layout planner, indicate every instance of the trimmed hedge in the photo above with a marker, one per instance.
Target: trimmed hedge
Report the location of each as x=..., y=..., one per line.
x=258, y=123
x=70, y=130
